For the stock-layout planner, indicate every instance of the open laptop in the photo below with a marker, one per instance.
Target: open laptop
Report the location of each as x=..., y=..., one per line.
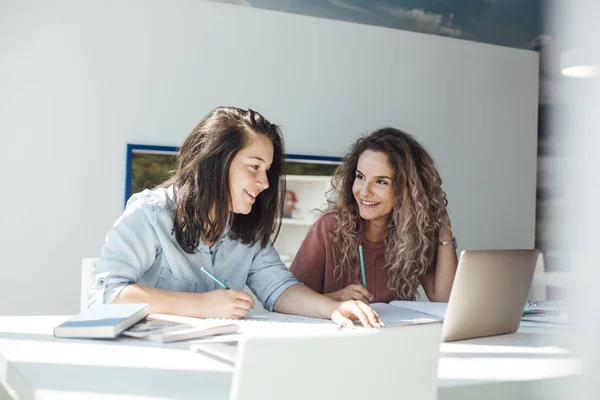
x=489, y=293
x=346, y=364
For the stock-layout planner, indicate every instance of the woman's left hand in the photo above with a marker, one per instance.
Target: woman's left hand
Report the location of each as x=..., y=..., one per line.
x=347, y=311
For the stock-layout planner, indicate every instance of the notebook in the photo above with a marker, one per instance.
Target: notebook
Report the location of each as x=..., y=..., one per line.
x=102, y=321
x=389, y=314
x=169, y=329
x=273, y=324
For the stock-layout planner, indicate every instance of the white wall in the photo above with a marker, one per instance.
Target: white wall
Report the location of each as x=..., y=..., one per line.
x=79, y=80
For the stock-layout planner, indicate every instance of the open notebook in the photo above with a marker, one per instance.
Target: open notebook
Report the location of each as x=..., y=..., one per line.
x=399, y=313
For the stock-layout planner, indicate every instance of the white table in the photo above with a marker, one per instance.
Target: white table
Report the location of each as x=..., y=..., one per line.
x=529, y=364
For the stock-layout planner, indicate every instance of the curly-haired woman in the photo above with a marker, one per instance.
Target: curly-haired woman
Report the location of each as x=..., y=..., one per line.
x=387, y=198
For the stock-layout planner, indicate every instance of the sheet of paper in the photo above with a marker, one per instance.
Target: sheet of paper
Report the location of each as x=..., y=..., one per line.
x=396, y=316
x=263, y=323
x=277, y=324
x=285, y=318
x=390, y=315
x=431, y=308
x=273, y=323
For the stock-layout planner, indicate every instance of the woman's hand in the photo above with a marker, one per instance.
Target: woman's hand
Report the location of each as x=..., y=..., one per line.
x=347, y=311
x=222, y=303
x=352, y=292
x=227, y=304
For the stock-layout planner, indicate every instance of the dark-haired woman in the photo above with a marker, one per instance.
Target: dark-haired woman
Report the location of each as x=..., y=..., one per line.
x=218, y=212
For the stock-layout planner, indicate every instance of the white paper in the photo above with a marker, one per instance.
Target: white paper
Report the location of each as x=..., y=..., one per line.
x=436, y=309
x=396, y=316
x=285, y=318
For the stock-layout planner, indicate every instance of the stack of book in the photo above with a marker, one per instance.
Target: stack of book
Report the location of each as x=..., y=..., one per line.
x=545, y=311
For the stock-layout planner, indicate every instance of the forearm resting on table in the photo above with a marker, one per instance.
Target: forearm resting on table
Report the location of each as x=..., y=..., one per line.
x=301, y=300
x=161, y=301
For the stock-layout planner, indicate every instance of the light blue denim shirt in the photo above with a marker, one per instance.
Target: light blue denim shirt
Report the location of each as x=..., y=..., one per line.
x=140, y=248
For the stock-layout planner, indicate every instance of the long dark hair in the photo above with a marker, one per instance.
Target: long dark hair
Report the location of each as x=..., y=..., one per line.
x=418, y=214
x=201, y=178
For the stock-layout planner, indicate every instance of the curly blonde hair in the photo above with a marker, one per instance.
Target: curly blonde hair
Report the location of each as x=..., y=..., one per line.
x=418, y=214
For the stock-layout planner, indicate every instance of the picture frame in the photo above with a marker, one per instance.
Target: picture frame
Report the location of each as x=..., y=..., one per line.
x=149, y=165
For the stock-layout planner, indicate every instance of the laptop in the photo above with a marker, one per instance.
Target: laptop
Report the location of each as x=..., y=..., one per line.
x=346, y=364
x=489, y=293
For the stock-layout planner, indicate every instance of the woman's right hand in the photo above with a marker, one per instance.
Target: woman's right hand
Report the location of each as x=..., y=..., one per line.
x=224, y=303
x=352, y=292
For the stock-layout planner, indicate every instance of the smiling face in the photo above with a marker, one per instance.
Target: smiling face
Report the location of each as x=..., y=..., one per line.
x=372, y=188
x=248, y=173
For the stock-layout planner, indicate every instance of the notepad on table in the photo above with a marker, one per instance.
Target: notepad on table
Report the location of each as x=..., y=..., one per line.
x=277, y=324
x=102, y=321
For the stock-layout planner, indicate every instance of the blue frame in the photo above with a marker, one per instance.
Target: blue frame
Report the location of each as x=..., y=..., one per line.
x=305, y=157
x=132, y=148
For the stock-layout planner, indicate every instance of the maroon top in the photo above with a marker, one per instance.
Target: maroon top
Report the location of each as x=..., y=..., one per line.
x=313, y=264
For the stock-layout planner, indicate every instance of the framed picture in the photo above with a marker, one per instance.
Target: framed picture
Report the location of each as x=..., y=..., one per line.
x=148, y=165
x=301, y=164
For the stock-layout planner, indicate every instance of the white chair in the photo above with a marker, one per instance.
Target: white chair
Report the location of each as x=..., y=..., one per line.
x=86, y=282
x=351, y=365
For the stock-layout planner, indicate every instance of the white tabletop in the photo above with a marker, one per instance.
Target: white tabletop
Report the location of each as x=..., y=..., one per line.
x=35, y=365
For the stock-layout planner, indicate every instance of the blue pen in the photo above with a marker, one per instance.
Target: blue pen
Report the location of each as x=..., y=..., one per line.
x=362, y=266
x=214, y=278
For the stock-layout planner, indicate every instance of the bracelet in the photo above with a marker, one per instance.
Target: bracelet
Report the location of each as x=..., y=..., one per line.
x=451, y=242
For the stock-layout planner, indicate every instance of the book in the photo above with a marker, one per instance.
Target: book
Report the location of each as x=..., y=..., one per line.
x=548, y=318
x=102, y=321
x=171, y=329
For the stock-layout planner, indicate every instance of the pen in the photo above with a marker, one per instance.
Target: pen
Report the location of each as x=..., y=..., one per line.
x=214, y=278
x=362, y=266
